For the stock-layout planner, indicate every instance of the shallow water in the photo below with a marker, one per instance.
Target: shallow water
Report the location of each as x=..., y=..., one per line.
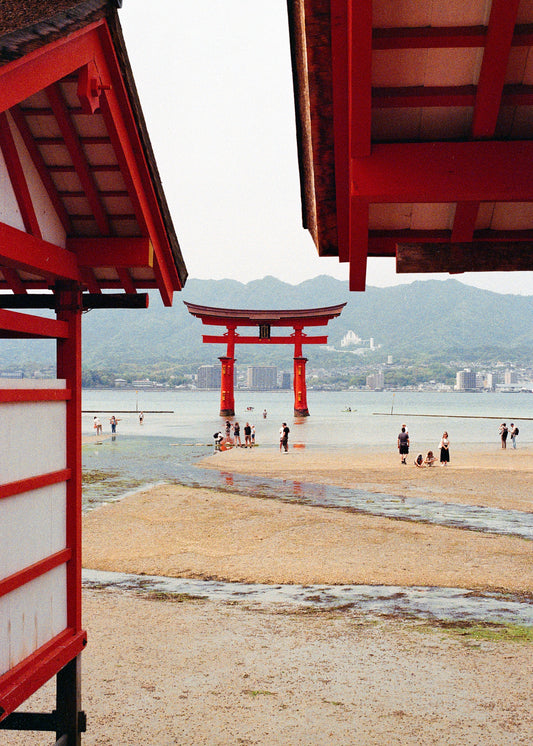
x=114, y=468
x=454, y=604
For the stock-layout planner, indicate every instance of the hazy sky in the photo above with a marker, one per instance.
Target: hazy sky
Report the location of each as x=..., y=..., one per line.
x=214, y=79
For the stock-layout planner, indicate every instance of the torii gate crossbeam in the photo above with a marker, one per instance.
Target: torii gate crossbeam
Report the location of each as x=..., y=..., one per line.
x=264, y=320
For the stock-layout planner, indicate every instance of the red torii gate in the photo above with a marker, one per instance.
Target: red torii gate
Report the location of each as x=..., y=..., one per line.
x=232, y=318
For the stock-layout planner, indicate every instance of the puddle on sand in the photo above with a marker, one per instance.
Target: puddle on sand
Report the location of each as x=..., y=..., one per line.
x=455, y=604
x=128, y=463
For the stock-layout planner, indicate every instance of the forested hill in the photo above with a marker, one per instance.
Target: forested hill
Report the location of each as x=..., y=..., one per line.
x=447, y=319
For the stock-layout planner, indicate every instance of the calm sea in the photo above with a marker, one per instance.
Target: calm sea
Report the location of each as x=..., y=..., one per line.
x=192, y=416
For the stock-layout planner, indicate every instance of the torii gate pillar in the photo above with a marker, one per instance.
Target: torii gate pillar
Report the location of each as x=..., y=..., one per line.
x=300, y=390
x=227, y=397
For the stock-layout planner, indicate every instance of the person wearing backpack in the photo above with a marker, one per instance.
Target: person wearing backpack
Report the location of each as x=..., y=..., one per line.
x=514, y=433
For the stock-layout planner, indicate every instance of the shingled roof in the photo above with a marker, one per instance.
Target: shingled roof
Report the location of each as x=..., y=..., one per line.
x=106, y=205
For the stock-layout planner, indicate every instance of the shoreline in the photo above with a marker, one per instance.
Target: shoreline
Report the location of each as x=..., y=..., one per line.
x=178, y=531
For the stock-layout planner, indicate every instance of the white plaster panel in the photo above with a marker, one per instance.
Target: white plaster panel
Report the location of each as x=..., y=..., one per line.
x=9, y=210
x=512, y=216
x=49, y=223
x=32, y=615
x=32, y=439
x=32, y=527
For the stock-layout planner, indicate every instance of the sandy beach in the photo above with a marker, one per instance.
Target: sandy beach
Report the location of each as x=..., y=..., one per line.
x=157, y=671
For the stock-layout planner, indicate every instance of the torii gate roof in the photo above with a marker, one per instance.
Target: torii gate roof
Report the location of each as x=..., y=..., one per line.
x=69, y=107
x=249, y=317
x=415, y=127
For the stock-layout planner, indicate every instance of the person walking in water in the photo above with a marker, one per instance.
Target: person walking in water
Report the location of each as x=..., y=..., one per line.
x=444, y=446
x=403, y=445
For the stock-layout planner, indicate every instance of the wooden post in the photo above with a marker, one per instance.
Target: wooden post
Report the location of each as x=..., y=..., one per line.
x=227, y=397
x=300, y=389
x=68, y=680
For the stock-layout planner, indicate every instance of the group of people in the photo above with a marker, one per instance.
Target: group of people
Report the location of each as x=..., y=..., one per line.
x=232, y=436
x=430, y=459
x=113, y=421
x=512, y=430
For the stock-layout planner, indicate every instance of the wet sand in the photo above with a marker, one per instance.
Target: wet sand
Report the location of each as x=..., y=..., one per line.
x=206, y=672
x=210, y=674
x=201, y=533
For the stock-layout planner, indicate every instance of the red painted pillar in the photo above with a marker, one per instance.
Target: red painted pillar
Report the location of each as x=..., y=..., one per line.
x=300, y=389
x=227, y=399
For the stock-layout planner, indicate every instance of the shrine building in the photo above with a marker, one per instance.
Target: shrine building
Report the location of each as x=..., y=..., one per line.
x=82, y=211
x=415, y=132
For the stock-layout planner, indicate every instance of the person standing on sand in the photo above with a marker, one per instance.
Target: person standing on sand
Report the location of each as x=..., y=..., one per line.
x=514, y=433
x=284, y=437
x=237, y=434
x=97, y=425
x=141, y=418
x=504, y=432
x=444, y=446
x=247, y=436
x=403, y=445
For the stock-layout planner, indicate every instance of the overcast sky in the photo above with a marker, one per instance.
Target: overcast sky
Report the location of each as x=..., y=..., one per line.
x=214, y=79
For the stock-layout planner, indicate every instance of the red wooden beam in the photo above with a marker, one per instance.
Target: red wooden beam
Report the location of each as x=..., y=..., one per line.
x=457, y=96
x=37, y=70
x=23, y=680
x=358, y=244
x=126, y=280
x=70, y=305
x=340, y=42
x=494, y=66
x=33, y=483
x=18, y=178
x=13, y=280
x=484, y=171
x=41, y=167
x=15, y=325
x=423, y=96
x=360, y=64
x=247, y=340
x=20, y=578
x=112, y=251
x=72, y=142
x=464, y=221
x=429, y=37
x=118, y=117
x=25, y=395
x=20, y=250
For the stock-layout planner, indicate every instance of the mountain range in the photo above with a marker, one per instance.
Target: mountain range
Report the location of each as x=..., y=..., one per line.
x=445, y=319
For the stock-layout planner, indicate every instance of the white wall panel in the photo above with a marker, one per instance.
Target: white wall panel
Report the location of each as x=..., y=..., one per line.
x=32, y=434
x=32, y=527
x=31, y=616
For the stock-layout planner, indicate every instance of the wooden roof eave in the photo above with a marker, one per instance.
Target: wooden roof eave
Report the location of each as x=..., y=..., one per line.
x=275, y=317
x=309, y=31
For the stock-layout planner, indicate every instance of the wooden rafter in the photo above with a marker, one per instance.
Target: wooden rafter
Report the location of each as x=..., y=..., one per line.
x=41, y=167
x=494, y=66
x=75, y=149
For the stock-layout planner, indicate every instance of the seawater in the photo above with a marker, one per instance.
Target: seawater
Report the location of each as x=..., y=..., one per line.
x=375, y=419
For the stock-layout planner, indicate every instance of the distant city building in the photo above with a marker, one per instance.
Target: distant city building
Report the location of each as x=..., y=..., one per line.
x=208, y=377
x=120, y=382
x=510, y=377
x=285, y=380
x=389, y=359
x=262, y=377
x=465, y=380
x=371, y=343
x=490, y=382
x=350, y=339
x=375, y=380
